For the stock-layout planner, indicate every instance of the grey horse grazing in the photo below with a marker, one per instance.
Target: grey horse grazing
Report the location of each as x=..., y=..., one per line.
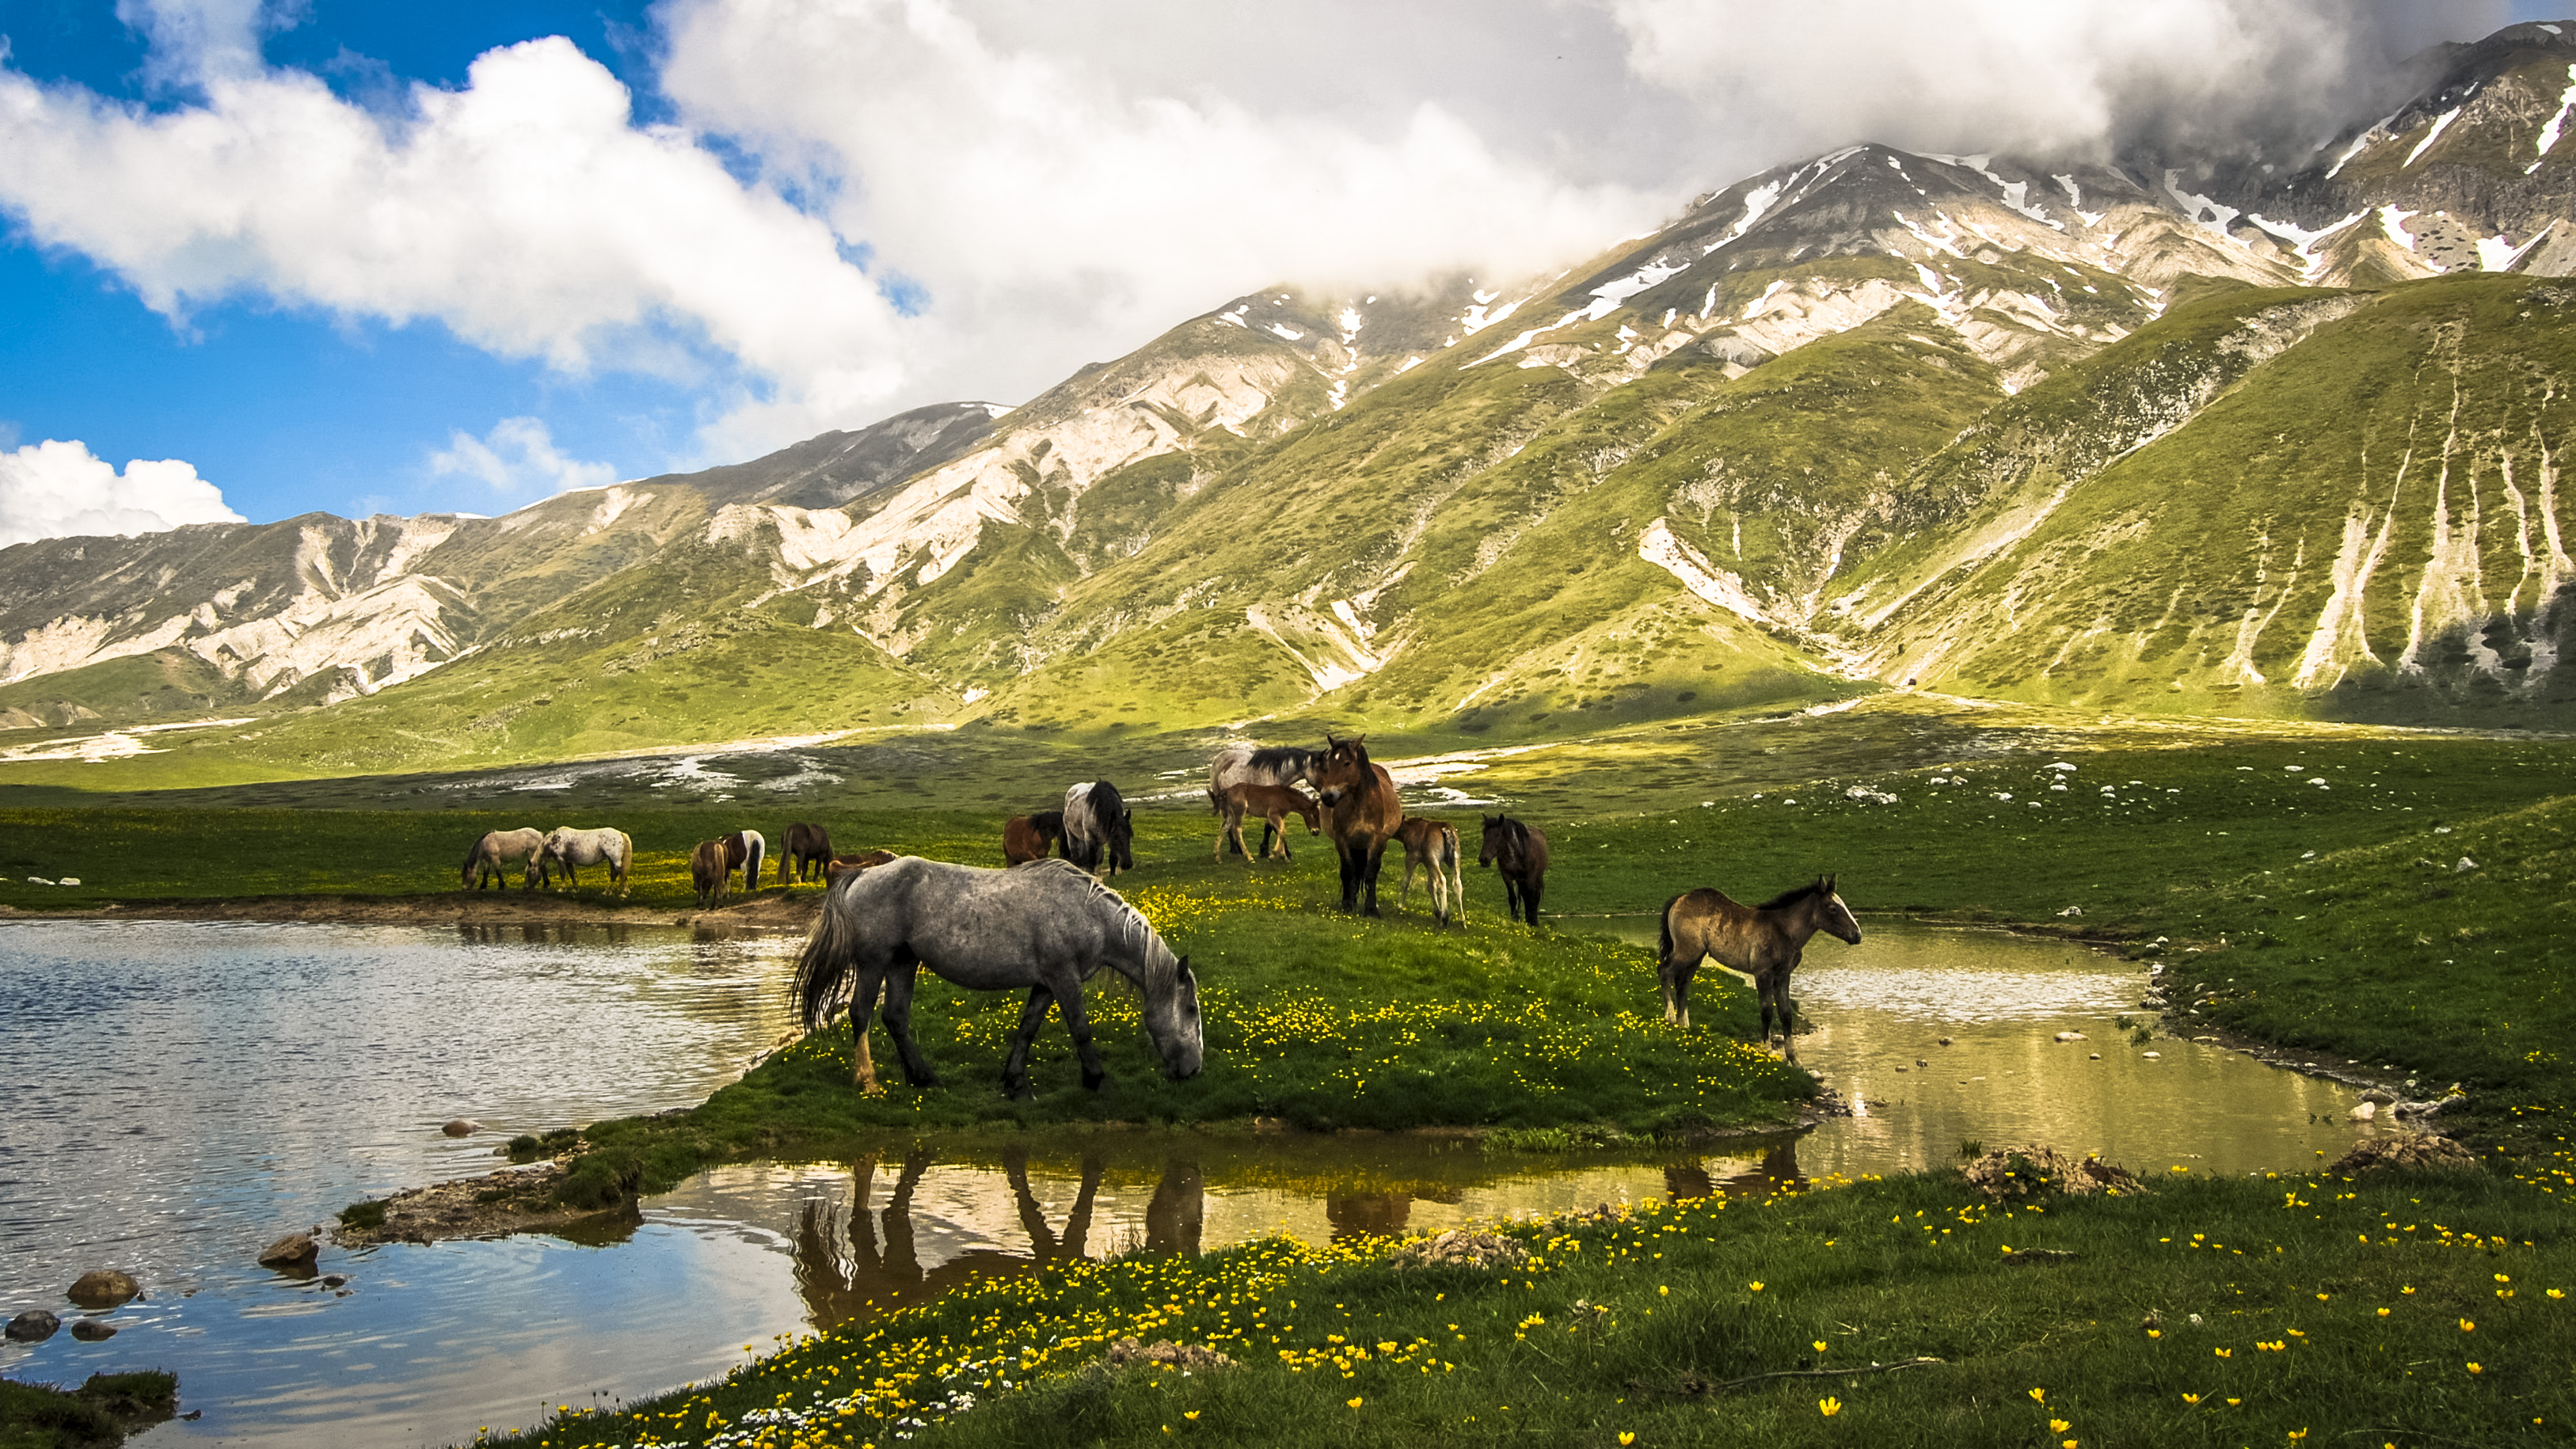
x=1245, y=763
x=1099, y=828
x=483, y=863
x=569, y=848
x=1044, y=926
x=1764, y=942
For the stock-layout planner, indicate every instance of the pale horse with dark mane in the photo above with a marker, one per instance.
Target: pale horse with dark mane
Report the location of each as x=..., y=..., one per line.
x=1245, y=763
x=1044, y=927
x=483, y=863
x=1765, y=942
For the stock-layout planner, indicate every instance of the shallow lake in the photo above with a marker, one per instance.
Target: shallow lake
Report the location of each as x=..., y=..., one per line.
x=180, y=1094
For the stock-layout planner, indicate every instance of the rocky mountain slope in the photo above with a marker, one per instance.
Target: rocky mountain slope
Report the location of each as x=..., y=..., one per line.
x=2158, y=436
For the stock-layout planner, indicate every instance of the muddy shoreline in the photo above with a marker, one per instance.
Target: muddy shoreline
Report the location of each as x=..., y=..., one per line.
x=773, y=910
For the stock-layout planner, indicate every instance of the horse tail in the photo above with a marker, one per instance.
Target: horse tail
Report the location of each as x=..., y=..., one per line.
x=1664, y=931
x=824, y=965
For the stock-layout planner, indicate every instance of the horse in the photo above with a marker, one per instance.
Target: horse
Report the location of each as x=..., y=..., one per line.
x=483, y=862
x=1763, y=941
x=1044, y=926
x=808, y=848
x=1097, y=826
x=709, y=873
x=1432, y=843
x=1031, y=837
x=841, y=865
x=1245, y=763
x=1363, y=814
x=1523, y=854
x=1274, y=804
x=568, y=848
x=744, y=850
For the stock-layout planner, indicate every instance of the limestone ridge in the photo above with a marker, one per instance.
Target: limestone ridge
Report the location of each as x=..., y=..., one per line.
x=2207, y=435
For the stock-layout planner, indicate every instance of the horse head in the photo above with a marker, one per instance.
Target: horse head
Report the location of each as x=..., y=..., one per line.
x=1122, y=841
x=1495, y=833
x=1173, y=1022
x=1835, y=918
x=1343, y=768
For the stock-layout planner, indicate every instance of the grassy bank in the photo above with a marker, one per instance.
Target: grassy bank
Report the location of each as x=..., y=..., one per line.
x=101, y=1412
x=2410, y=1310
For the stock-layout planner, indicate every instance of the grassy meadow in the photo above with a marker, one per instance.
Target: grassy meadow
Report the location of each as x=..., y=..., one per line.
x=2391, y=901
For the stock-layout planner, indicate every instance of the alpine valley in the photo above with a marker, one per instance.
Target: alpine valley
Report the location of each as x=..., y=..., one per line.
x=2170, y=435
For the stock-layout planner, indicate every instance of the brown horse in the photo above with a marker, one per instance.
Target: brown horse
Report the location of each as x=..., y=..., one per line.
x=1362, y=814
x=808, y=848
x=1764, y=941
x=709, y=873
x=841, y=865
x=1031, y=837
x=1274, y=804
x=1432, y=844
x=1522, y=853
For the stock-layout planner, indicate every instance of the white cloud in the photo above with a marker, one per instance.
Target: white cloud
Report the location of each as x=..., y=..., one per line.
x=1045, y=203
x=519, y=458
x=527, y=212
x=59, y=490
x=2066, y=77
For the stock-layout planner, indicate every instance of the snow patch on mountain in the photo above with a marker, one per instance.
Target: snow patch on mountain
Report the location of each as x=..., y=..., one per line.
x=2431, y=136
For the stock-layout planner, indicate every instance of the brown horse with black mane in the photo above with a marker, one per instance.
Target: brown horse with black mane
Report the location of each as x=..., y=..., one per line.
x=1764, y=942
x=1362, y=814
x=1031, y=837
x=1521, y=852
x=809, y=847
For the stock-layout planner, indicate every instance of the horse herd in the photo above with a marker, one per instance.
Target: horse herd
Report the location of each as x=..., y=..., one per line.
x=1044, y=925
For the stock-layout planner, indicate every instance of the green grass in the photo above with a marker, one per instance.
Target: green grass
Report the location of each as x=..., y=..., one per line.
x=102, y=1411
x=2263, y=1300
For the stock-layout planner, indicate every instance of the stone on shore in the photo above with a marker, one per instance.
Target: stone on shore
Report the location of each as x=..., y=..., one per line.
x=295, y=1250
x=102, y=1288
x=2420, y=1151
x=33, y=1326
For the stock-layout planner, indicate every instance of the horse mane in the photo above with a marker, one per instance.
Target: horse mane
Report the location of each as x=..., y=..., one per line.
x=1271, y=757
x=1793, y=896
x=1138, y=932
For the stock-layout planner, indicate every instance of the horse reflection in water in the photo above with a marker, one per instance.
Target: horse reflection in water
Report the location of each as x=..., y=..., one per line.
x=875, y=1264
x=1776, y=1172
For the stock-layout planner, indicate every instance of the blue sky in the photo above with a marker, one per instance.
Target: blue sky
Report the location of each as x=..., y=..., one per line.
x=329, y=261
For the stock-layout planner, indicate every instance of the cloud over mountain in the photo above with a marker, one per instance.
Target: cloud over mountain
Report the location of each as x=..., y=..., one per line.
x=53, y=489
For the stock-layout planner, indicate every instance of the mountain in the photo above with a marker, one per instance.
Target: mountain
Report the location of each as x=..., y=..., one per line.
x=2176, y=434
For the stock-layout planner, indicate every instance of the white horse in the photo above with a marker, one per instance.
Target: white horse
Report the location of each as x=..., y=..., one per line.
x=744, y=851
x=483, y=863
x=568, y=847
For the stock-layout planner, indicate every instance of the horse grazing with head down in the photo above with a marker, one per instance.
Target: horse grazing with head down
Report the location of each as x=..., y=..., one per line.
x=709, y=873
x=568, y=848
x=744, y=850
x=1432, y=844
x=1043, y=927
x=1099, y=827
x=1031, y=837
x=483, y=862
x=1245, y=763
x=1764, y=941
x=1522, y=853
x=1273, y=804
x=808, y=847
x=1362, y=814
x=841, y=865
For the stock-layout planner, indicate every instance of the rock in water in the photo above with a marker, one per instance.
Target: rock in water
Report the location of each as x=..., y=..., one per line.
x=33, y=1326
x=93, y=1330
x=295, y=1250
x=102, y=1288
x=2364, y=1112
x=462, y=1127
x=2072, y=1036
